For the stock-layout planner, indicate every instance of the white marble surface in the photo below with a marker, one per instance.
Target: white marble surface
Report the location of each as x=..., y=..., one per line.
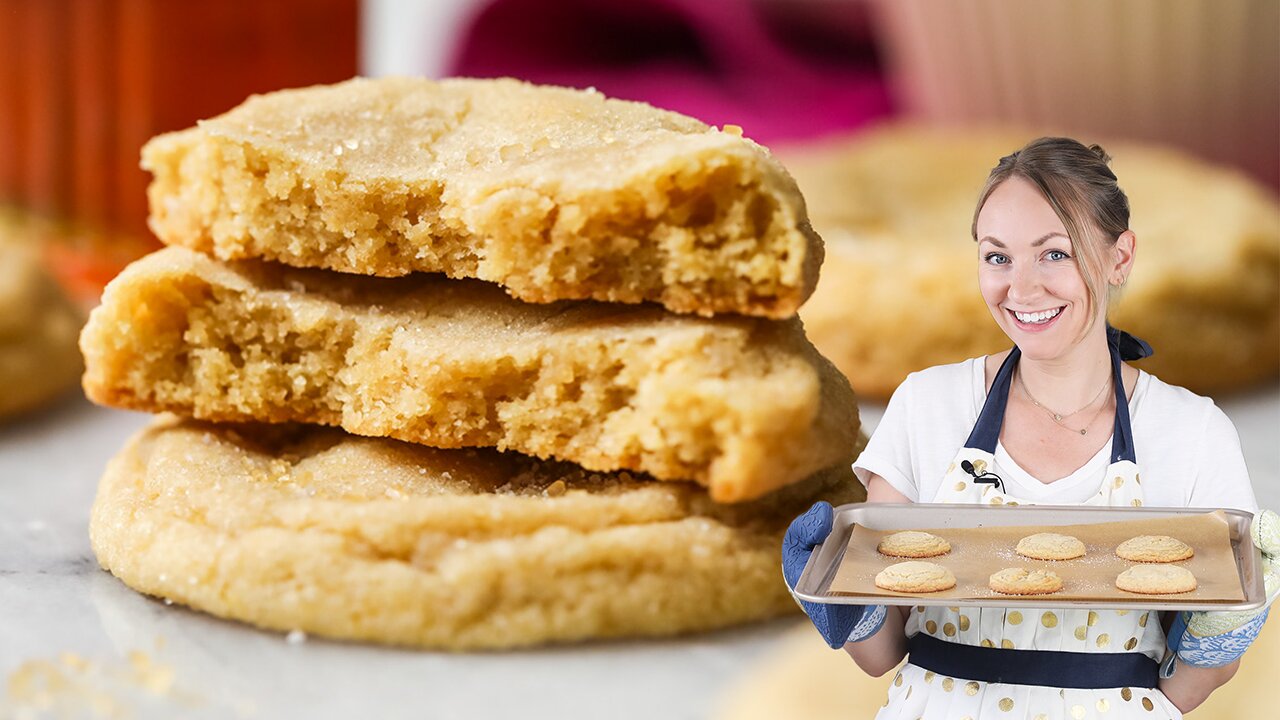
x=54, y=600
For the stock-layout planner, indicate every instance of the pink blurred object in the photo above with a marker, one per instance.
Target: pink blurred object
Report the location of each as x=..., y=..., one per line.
x=757, y=65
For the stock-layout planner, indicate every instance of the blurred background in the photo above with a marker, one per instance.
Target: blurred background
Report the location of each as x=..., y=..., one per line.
x=889, y=112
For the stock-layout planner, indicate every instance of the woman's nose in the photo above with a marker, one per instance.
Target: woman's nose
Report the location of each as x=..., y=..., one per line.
x=1025, y=283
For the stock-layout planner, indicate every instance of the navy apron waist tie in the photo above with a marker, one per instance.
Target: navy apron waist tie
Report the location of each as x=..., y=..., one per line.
x=1049, y=668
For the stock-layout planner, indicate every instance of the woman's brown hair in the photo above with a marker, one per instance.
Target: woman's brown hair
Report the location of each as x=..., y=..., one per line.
x=1082, y=190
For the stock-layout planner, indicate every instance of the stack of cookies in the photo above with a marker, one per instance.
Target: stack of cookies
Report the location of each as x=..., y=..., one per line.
x=466, y=364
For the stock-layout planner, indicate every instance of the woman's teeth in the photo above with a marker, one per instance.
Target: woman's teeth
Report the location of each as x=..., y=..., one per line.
x=1037, y=318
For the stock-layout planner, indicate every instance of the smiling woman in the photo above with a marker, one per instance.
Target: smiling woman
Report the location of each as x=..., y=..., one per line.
x=1033, y=275
x=1058, y=419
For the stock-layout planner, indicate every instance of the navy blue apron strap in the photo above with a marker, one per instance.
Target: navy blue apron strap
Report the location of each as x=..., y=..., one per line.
x=986, y=432
x=1049, y=668
x=1122, y=433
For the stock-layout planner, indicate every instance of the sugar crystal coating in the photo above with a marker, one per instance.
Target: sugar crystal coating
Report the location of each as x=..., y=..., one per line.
x=303, y=528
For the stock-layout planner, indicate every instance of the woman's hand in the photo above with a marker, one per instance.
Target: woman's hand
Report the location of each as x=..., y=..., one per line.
x=838, y=624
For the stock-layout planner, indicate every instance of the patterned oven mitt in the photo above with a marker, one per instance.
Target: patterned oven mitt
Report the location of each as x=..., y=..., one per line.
x=838, y=624
x=1213, y=639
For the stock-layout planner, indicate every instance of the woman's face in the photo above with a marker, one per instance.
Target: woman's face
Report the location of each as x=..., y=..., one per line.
x=1028, y=273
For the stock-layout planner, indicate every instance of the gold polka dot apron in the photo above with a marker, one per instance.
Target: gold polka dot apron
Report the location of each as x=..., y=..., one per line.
x=1024, y=662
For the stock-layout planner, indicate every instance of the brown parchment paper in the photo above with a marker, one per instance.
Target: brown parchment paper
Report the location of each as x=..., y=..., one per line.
x=976, y=553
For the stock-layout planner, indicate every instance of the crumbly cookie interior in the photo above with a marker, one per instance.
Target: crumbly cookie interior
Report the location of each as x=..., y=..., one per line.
x=738, y=404
x=553, y=193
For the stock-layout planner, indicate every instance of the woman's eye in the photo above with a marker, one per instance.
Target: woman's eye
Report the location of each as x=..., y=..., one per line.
x=996, y=259
x=1057, y=255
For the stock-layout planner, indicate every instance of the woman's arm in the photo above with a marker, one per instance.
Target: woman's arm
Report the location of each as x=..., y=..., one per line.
x=880, y=491
x=882, y=652
x=1189, y=685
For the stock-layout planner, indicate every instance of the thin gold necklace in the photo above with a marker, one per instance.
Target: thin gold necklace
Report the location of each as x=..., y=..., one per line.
x=1059, y=417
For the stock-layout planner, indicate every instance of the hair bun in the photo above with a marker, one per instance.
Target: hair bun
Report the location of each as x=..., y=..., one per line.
x=1096, y=149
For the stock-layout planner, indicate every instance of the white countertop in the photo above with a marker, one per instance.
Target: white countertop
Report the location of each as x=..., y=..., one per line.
x=69, y=627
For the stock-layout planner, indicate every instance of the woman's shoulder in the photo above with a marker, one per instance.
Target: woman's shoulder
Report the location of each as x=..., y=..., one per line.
x=951, y=389
x=1176, y=408
x=1167, y=397
x=949, y=378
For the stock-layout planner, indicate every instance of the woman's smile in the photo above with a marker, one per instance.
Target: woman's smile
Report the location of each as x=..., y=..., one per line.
x=1036, y=321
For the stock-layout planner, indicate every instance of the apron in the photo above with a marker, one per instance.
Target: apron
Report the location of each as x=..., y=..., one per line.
x=1093, y=647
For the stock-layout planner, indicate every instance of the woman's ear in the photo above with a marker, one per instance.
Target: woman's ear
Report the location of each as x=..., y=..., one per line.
x=1122, y=254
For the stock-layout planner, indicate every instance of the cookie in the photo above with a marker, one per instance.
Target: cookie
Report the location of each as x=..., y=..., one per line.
x=305, y=528
x=915, y=576
x=1050, y=546
x=1154, y=549
x=38, y=325
x=551, y=192
x=895, y=207
x=1021, y=581
x=741, y=405
x=1156, y=579
x=913, y=544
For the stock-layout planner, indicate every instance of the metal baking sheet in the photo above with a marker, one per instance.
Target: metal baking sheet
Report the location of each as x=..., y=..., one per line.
x=815, y=582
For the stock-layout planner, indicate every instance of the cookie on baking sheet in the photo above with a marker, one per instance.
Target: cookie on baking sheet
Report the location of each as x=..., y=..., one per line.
x=740, y=405
x=895, y=206
x=553, y=193
x=39, y=360
x=1156, y=579
x=915, y=576
x=1050, y=546
x=308, y=528
x=1154, y=549
x=1021, y=581
x=913, y=544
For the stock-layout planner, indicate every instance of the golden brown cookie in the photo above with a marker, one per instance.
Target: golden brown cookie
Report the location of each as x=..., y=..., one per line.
x=1021, y=581
x=1050, y=546
x=741, y=405
x=551, y=192
x=915, y=576
x=307, y=528
x=1154, y=549
x=895, y=206
x=1156, y=579
x=913, y=544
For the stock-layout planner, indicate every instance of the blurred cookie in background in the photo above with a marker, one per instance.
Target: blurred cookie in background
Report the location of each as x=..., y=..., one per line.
x=39, y=360
x=898, y=291
x=800, y=677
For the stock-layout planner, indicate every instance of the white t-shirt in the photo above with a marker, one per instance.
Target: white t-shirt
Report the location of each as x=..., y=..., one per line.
x=1188, y=451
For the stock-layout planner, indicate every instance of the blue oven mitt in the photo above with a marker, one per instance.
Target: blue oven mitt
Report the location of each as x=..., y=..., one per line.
x=838, y=624
x=1213, y=639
